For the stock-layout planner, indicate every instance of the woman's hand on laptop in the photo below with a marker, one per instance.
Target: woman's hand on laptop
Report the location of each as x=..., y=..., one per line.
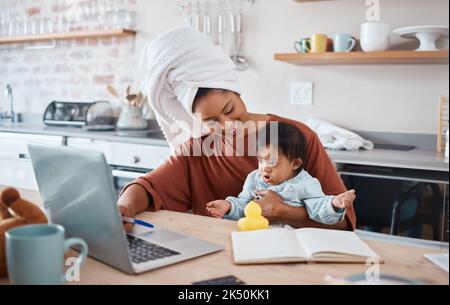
x=132, y=201
x=124, y=211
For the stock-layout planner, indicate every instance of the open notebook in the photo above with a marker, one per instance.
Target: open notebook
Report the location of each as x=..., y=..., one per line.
x=302, y=245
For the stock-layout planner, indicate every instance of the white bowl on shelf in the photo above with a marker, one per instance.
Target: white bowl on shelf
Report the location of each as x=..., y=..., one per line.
x=427, y=35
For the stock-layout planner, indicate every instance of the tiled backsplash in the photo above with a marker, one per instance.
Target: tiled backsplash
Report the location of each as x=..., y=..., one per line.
x=75, y=69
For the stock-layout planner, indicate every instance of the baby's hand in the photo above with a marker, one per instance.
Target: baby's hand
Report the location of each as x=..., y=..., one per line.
x=344, y=200
x=218, y=208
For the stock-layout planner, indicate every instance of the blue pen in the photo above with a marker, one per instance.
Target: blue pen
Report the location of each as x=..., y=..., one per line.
x=137, y=222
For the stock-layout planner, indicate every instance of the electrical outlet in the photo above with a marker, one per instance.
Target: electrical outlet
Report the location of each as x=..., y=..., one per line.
x=301, y=93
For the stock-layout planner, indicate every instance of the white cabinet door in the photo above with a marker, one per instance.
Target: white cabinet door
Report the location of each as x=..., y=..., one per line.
x=137, y=155
x=14, y=145
x=16, y=169
x=89, y=144
x=17, y=173
x=125, y=154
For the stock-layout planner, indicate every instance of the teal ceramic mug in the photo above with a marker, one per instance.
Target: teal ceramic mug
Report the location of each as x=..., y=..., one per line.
x=343, y=43
x=35, y=254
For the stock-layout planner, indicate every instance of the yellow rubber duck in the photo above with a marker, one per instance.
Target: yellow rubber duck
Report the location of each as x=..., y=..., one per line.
x=253, y=219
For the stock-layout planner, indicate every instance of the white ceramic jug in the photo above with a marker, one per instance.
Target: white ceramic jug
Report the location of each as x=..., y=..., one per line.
x=132, y=117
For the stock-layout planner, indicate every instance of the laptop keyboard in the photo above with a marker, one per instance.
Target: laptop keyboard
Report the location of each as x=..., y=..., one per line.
x=143, y=251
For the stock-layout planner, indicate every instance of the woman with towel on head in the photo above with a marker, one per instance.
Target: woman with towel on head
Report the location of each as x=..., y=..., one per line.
x=191, y=82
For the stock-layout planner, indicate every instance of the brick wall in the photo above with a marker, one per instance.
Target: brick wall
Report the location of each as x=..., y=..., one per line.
x=75, y=69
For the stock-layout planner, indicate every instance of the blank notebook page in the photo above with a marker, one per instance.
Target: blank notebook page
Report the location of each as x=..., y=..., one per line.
x=266, y=244
x=333, y=241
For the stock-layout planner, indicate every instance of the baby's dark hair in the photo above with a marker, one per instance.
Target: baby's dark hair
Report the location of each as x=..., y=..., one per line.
x=291, y=142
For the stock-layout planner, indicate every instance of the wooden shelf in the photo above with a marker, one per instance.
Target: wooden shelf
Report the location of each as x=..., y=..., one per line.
x=370, y=58
x=68, y=35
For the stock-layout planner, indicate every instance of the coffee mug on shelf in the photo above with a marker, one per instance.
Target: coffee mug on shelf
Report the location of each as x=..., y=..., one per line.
x=375, y=36
x=319, y=43
x=330, y=45
x=303, y=45
x=343, y=43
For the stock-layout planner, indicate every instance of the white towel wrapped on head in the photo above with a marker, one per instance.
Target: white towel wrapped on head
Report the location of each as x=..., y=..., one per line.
x=334, y=137
x=177, y=63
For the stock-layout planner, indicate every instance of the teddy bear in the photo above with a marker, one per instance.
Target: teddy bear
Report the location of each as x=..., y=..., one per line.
x=23, y=213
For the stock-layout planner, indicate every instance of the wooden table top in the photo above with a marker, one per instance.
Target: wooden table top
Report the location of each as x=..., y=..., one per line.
x=399, y=259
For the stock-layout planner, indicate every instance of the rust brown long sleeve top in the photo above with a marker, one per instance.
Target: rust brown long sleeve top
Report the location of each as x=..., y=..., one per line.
x=186, y=183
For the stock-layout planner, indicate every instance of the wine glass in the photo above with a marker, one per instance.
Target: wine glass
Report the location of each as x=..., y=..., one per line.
x=3, y=23
x=101, y=14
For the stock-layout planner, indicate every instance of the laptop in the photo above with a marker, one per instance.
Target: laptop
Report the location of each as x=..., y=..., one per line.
x=77, y=189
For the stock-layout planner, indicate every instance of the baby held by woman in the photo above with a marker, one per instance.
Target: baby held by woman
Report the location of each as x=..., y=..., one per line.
x=281, y=170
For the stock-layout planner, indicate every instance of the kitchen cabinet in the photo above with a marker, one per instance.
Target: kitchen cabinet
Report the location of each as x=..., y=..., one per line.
x=128, y=160
x=14, y=145
x=15, y=164
x=90, y=144
x=137, y=155
x=17, y=173
x=126, y=155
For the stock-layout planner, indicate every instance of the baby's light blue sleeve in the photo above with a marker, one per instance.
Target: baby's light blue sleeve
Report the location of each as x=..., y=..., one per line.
x=238, y=203
x=318, y=204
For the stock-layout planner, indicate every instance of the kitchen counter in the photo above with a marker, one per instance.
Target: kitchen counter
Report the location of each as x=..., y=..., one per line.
x=417, y=159
x=154, y=137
